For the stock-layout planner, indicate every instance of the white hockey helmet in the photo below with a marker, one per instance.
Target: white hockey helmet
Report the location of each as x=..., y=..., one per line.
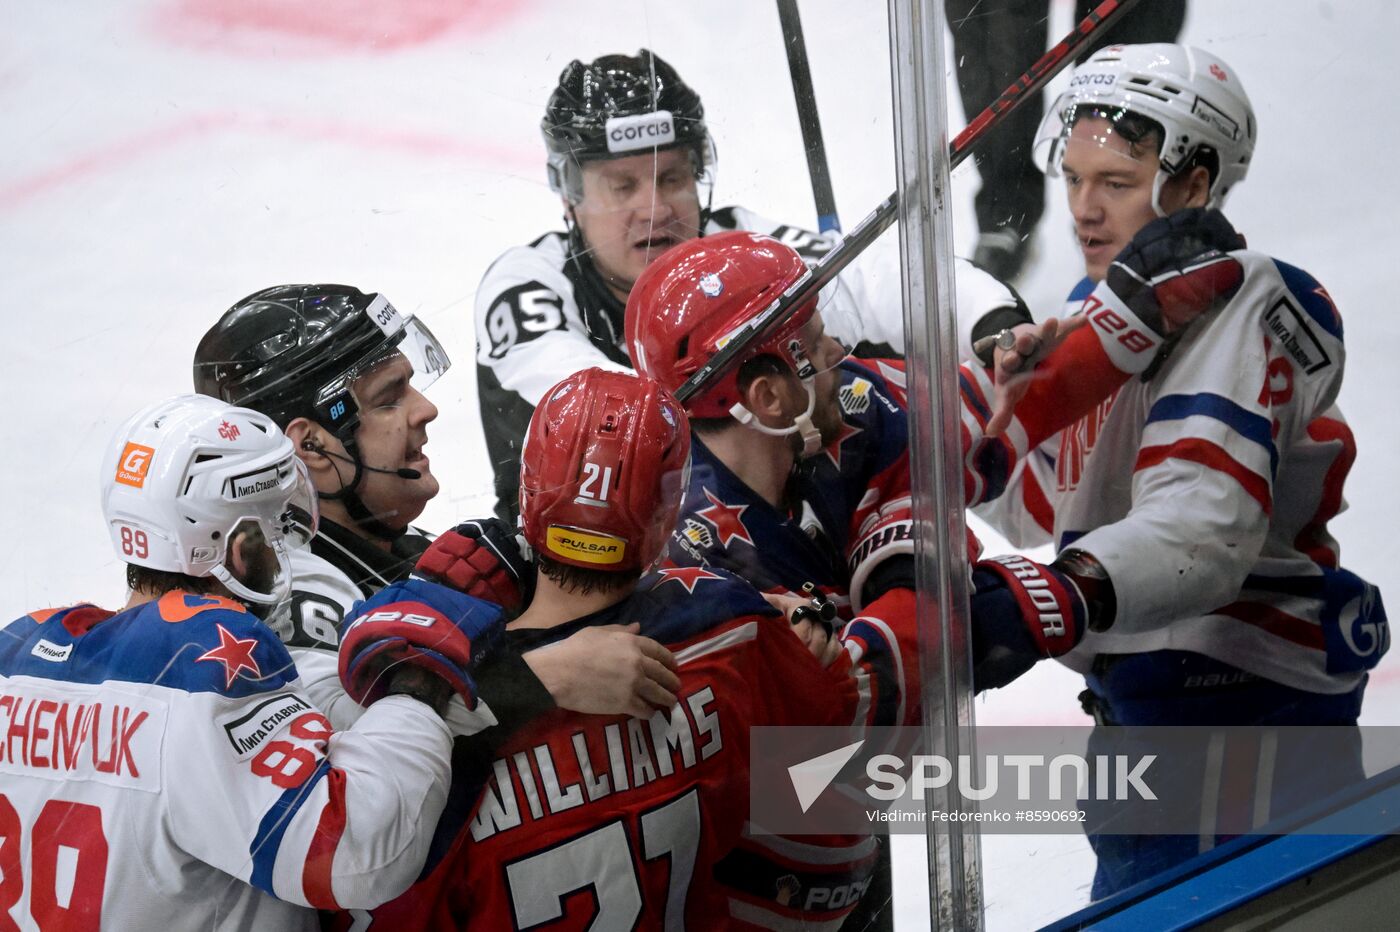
x=181, y=476
x=1195, y=98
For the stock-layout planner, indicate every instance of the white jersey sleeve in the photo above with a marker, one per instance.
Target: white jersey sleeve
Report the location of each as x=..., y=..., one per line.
x=1241, y=385
x=529, y=329
x=172, y=749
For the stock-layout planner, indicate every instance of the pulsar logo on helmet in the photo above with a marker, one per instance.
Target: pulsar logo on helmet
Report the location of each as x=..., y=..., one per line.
x=228, y=431
x=711, y=285
x=855, y=397
x=133, y=465
x=1219, y=73
x=587, y=546
x=254, y=484
x=640, y=131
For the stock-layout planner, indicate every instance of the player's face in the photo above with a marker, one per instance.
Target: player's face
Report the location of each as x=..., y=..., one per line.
x=634, y=209
x=393, y=430
x=1109, y=182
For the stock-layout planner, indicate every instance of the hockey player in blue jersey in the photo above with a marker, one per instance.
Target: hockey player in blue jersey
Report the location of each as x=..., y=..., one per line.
x=170, y=748
x=1197, y=502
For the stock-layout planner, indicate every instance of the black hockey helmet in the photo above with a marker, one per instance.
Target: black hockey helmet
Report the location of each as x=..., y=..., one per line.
x=620, y=105
x=293, y=351
x=296, y=350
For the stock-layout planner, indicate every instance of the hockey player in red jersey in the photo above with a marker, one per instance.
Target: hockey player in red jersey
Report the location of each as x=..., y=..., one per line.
x=1199, y=500
x=164, y=768
x=608, y=822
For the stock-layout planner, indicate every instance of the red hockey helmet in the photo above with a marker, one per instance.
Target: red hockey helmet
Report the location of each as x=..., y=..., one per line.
x=603, y=471
x=688, y=303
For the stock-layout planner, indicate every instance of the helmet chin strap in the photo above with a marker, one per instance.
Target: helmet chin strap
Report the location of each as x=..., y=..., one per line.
x=365, y=519
x=1157, y=183
x=801, y=424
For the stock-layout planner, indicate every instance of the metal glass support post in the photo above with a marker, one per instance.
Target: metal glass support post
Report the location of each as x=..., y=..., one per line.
x=926, y=238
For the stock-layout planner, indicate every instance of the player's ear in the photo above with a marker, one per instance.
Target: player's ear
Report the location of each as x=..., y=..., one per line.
x=765, y=397
x=1190, y=189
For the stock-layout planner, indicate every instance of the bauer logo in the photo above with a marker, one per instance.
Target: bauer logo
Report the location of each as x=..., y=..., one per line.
x=133, y=465
x=643, y=131
x=585, y=546
x=254, y=483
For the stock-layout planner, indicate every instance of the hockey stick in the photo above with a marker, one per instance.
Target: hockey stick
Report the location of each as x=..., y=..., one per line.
x=807, y=116
x=865, y=232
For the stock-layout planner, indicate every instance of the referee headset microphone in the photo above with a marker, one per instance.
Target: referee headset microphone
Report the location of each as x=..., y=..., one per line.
x=402, y=472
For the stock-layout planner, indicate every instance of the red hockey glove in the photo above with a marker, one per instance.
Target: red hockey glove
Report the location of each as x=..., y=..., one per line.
x=1022, y=612
x=1176, y=269
x=418, y=624
x=483, y=559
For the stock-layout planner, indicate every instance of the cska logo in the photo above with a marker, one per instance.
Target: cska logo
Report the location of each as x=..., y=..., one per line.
x=228, y=431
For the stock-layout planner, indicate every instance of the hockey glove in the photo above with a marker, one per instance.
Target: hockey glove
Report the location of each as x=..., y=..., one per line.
x=1022, y=612
x=419, y=624
x=484, y=560
x=1174, y=270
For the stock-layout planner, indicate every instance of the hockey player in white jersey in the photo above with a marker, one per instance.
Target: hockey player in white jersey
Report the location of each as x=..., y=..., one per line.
x=343, y=373
x=633, y=162
x=163, y=767
x=1198, y=502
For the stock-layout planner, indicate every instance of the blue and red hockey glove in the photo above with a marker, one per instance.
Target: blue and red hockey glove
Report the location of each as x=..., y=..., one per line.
x=1174, y=270
x=416, y=624
x=1022, y=612
x=482, y=559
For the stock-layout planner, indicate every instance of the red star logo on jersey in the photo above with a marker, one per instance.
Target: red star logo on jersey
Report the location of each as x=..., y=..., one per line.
x=833, y=449
x=234, y=653
x=727, y=519
x=687, y=576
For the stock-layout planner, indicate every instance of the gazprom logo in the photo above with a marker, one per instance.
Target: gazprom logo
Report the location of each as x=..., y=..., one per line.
x=641, y=131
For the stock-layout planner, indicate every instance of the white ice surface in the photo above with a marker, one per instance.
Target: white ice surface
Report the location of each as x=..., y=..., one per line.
x=163, y=158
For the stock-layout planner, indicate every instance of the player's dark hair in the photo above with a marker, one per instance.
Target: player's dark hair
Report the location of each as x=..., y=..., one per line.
x=159, y=582
x=1144, y=134
x=579, y=581
x=750, y=369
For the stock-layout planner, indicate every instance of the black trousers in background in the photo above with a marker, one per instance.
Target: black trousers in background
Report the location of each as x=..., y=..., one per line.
x=994, y=42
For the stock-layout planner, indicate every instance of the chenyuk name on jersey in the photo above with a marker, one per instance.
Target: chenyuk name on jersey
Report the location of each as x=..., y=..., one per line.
x=55, y=735
x=598, y=762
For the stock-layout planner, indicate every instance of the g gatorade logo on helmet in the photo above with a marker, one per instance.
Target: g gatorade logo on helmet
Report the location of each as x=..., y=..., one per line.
x=133, y=464
x=585, y=546
x=641, y=131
